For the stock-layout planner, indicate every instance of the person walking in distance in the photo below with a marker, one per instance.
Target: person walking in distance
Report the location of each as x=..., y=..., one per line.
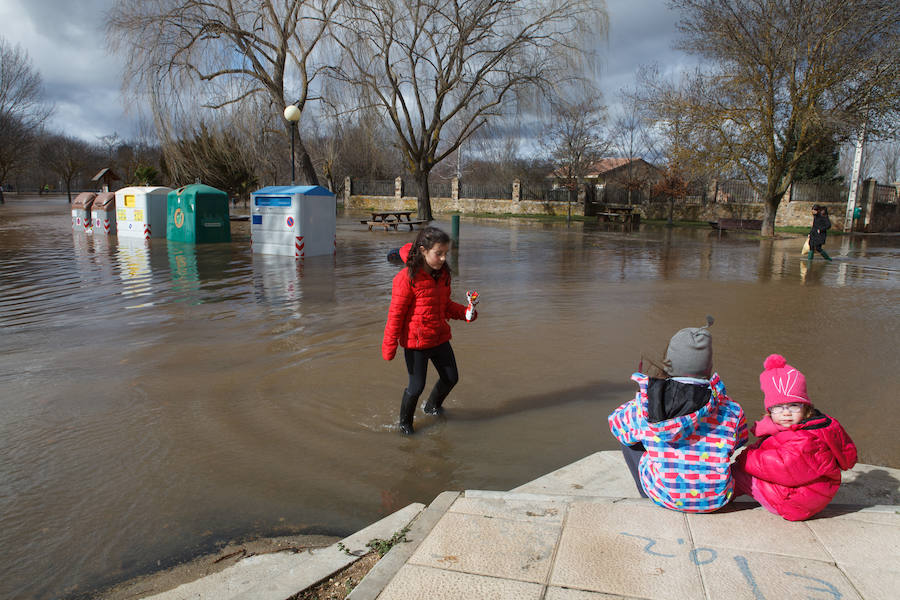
x=818, y=232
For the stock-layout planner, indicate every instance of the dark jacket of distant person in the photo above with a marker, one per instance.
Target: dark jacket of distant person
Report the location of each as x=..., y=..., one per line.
x=821, y=223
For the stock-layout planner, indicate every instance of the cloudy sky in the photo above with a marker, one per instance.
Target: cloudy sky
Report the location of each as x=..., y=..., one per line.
x=65, y=40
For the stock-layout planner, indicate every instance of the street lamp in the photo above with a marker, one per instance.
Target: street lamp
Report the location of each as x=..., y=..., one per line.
x=292, y=114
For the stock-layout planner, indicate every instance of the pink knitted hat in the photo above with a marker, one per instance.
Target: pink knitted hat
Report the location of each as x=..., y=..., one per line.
x=781, y=383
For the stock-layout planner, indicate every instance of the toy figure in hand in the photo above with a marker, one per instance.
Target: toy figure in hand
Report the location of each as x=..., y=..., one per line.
x=472, y=297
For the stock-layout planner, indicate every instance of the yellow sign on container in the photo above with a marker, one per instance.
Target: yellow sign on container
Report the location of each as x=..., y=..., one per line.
x=141, y=212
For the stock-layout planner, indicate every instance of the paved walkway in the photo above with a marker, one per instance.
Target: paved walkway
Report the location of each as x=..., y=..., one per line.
x=581, y=534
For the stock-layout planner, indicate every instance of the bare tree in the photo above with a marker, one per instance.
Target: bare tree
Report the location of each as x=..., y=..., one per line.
x=355, y=143
x=222, y=52
x=109, y=142
x=780, y=71
x=215, y=156
x=631, y=138
x=576, y=138
x=22, y=108
x=889, y=155
x=440, y=69
x=67, y=158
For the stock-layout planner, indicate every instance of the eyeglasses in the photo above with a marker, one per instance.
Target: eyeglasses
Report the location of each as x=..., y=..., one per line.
x=781, y=408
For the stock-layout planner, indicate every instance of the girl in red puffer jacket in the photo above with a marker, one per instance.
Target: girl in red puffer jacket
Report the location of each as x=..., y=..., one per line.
x=794, y=470
x=417, y=320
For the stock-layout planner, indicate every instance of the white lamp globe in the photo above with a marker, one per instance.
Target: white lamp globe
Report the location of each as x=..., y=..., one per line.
x=292, y=113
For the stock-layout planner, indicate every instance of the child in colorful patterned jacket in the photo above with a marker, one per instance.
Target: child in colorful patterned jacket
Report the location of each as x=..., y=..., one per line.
x=794, y=470
x=680, y=430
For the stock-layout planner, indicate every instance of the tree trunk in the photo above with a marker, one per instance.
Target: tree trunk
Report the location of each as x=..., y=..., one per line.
x=69, y=190
x=423, y=202
x=768, y=222
x=307, y=171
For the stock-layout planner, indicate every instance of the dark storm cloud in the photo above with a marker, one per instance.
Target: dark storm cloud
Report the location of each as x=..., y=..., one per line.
x=67, y=44
x=641, y=32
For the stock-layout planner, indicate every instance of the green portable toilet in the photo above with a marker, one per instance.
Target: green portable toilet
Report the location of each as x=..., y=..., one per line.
x=198, y=214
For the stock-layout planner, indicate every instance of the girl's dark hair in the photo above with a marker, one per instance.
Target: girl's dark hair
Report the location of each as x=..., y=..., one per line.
x=653, y=369
x=428, y=237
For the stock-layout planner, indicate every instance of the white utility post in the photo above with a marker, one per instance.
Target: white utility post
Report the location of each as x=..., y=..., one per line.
x=854, y=179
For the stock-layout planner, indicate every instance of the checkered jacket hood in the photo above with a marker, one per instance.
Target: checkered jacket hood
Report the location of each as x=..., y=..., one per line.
x=686, y=463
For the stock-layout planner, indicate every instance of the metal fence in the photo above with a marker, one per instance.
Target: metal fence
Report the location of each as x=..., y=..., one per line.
x=616, y=193
x=736, y=191
x=373, y=188
x=436, y=189
x=544, y=193
x=485, y=190
x=812, y=191
x=885, y=194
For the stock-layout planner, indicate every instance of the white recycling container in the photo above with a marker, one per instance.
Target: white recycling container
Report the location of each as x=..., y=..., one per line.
x=141, y=212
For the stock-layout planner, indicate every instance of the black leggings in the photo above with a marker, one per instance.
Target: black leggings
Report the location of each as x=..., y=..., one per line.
x=633, y=456
x=417, y=366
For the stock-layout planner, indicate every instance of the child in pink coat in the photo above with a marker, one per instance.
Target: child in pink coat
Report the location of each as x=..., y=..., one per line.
x=794, y=469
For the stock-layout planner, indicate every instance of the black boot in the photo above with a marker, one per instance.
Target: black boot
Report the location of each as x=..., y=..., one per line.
x=407, y=408
x=436, y=399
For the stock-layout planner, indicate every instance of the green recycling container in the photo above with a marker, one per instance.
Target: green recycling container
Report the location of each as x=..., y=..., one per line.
x=857, y=212
x=198, y=214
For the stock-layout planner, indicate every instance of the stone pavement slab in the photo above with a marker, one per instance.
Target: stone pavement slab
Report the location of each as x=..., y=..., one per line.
x=749, y=527
x=415, y=582
x=483, y=545
x=598, y=474
x=757, y=576
x=866, y=547
x=614, y=561
x=579, y=544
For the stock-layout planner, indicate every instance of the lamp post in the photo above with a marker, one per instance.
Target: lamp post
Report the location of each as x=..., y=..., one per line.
x=292, y=114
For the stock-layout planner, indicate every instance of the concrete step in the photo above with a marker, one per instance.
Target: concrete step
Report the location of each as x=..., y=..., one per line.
x=280, y=575
x=582, y=532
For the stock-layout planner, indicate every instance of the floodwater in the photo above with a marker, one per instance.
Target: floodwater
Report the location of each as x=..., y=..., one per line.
x=158, y=400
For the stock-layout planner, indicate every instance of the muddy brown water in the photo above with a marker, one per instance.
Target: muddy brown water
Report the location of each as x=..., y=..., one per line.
x=158, y=400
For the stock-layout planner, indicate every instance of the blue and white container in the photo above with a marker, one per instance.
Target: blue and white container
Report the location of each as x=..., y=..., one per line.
x=296, y=221
x=141, y=212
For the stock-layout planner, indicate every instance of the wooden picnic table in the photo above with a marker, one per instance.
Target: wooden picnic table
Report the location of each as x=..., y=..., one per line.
x=623, y=214
x=392, y=219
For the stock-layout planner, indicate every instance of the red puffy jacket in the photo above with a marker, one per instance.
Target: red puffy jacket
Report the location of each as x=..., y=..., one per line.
x=798, y=470
x=417, y=317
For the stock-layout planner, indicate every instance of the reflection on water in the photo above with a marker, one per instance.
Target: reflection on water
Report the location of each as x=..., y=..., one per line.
x=158, y=398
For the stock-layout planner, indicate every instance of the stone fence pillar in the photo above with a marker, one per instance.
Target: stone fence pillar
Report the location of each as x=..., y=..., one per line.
x=347, y=192
x=517, y=190
x=398, y=188
x=867, y=200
